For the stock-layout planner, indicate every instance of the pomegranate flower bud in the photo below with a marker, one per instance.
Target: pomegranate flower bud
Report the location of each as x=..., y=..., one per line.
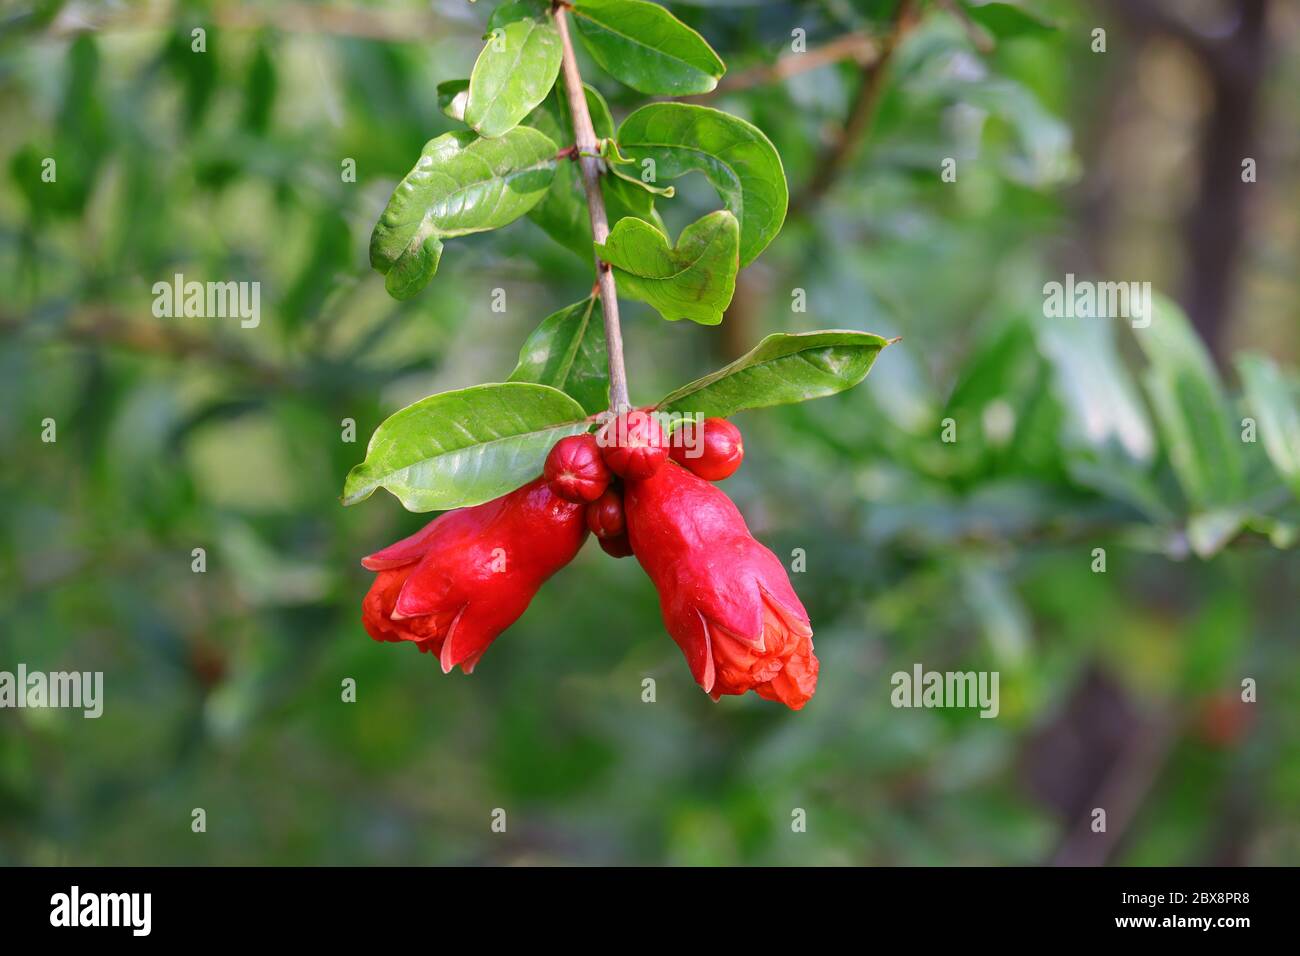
x=469, y=574
x=616, y=546
x=605, y=515
x=725, y=599
x=605, y=519
x=633, y=444
x=575, y=469
x=713, y=449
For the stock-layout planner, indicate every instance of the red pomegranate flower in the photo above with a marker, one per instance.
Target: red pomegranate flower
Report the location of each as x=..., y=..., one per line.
x=469, y=574
x=725, y=599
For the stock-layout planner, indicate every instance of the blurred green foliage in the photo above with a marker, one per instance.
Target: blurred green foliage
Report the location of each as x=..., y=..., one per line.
x=223, y=688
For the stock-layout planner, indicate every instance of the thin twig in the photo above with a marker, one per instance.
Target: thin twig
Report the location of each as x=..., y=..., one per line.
x=1121, y=793
x=859, y=47
x=861, y=114
x=101, y=326
x=981, y=39
x=588, y=160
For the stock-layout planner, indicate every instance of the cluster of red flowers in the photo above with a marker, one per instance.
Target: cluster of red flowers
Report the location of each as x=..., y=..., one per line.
x=726, y=600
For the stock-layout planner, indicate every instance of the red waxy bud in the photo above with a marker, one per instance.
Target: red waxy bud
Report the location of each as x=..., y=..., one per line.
x=616, y=547
x=712, y=449
x=633, y=444
x=469, y=574
x=725, y=599
x=575, y=470
x=605, y=515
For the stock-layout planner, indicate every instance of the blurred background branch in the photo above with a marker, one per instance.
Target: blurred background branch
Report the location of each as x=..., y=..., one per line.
x=1098, y=532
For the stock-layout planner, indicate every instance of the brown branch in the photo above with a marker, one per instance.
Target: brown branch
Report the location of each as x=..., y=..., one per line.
x=589, y=161
x=859, y=47
x=1121, y=793
x=873, y=57
x=99, y=326
x=1152, y=16
x=1234, y=60
x=861, y=114
x=978, y=36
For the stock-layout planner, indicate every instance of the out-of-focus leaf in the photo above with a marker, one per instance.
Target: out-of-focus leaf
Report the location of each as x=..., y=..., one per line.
x=567, y=351
x=734, y=156
x=1214, y=639
x=331, y=254
x=782, y=368
x=1001, y=117
x=465, y=447
x=1190, y=409
x=646, y=47
x=259, y=99
x=462, y=184
x=999, y=610
x=197, y=71
x=1209, y=531
x=1096, y=391
x=1006, y=20
x=1272, y=399
x=694, y=279
x=1122, y=482
x=516, y=69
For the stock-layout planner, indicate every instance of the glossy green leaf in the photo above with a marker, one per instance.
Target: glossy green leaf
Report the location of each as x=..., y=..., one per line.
x=783, y=368
x=1272, y=400
x=562, y=214
x=452, y=96
x=693, y=280
x=567, y=351
x=1190, y=408
x=465, y=447
x=516, y=69
x=462, y=184
x=646, y=47
x=734, y=155
x=618, y=164
x=553, y=118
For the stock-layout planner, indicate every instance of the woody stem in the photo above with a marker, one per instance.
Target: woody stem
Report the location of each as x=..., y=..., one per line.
x=589, y=162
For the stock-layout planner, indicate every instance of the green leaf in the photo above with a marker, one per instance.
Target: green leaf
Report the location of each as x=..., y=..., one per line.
x=516, y=69
x=1190, y=409
x=1103, y=407
x=462, y=448
x=452, y=95
x=567, y=351
x=1107, y=436
x=553, y=118
x=646, y=47
x=1208, y=532
x=735, y=156
x=1272, y=398
x=783, y=368
x=693, y=280
x=1006, y=20
x=462, y=184
x=562, y=214
x=615, y=161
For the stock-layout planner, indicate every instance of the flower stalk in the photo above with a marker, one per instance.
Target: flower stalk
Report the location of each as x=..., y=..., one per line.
x=588, y=157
